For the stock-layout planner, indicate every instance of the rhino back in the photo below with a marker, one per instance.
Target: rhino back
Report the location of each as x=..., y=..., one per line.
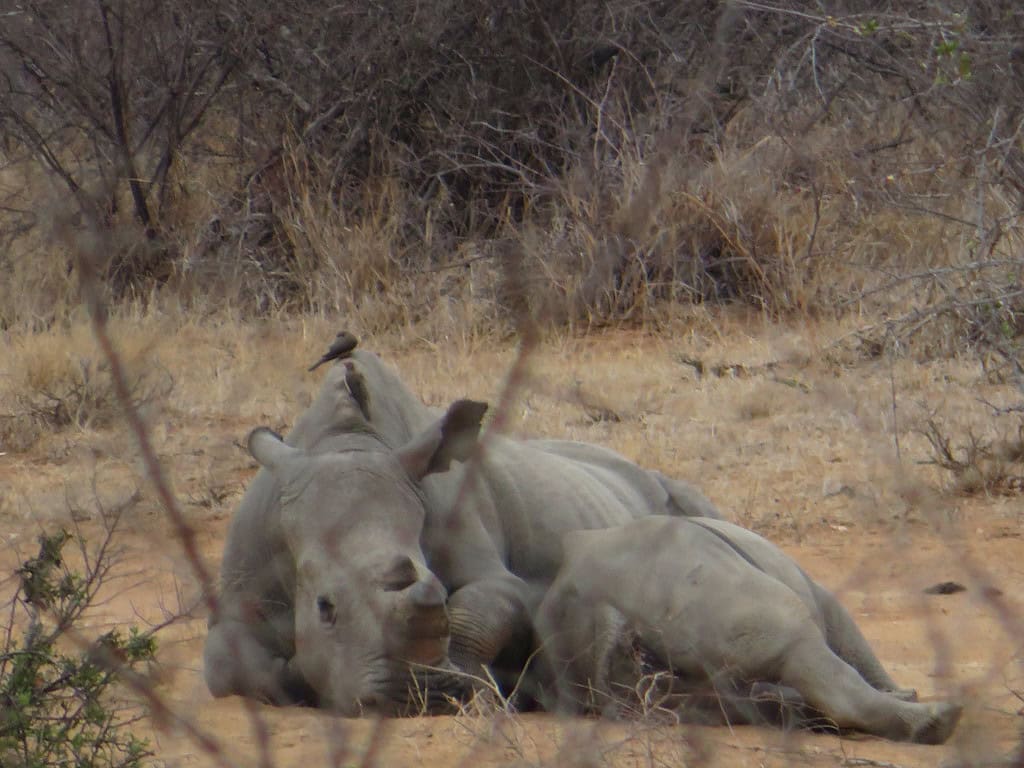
x=538, y=495
x=630, y=483
x=768, y=558
x=651, y=565
x=668, y=577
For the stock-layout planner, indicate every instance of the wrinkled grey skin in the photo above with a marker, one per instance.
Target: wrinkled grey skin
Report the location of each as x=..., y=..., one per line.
x=718, y=610
x=296, y=627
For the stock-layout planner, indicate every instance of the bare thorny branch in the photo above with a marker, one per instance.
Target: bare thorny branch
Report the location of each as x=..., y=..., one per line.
x=77, y=77
x=185, y=532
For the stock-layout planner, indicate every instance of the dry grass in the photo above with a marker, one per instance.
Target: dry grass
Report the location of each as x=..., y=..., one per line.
x=58, y=379
x=236, y=375
x=793, y=223
x=644, y=398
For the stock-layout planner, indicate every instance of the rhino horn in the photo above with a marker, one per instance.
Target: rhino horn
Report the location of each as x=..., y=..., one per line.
x=267, y=447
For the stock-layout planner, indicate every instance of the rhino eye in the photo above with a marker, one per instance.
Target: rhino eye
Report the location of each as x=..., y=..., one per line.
x=401, y=575
x=328, y=614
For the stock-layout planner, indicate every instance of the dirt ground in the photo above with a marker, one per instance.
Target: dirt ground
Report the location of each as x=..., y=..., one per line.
x=808, y=451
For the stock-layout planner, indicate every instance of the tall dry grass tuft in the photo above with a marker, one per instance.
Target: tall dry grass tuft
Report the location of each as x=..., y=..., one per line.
x=37, y=282
x=58, y=379
x=349, y=259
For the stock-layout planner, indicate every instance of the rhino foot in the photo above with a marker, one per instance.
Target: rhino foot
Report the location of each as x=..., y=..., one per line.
x=939, y=725
x=773, y=692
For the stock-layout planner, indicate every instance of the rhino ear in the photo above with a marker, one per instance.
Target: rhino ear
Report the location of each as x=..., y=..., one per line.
x=452, y=438
x=267, y=447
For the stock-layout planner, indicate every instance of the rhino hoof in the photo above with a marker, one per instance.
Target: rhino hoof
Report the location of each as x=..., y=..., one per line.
x=940, y=724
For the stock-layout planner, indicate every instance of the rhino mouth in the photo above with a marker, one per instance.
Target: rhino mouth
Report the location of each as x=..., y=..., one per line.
x=429, y=625
x=410, y=690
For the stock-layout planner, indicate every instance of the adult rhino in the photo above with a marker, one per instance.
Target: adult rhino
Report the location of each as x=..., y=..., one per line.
x=699, y=614
x=358, y=572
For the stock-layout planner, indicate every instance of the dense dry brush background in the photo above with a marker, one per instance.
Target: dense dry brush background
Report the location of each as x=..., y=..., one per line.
x=773, y=247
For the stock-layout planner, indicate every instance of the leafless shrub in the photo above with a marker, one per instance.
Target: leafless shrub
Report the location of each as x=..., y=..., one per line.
x=978, y=464
x=103, y=96
x=55, y=381
x=639, y=155
x=82, y=395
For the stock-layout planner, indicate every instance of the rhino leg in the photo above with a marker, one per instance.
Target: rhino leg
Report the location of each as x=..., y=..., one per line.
x=235, y=662
x=840, y=693
x=768, y=634
x=584, y=659
x=845, y=639
x=487, y=618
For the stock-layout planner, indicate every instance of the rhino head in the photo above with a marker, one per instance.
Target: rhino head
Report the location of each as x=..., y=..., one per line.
x=371, y=627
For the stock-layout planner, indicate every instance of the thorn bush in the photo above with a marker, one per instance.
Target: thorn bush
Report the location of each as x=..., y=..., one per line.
x=59, y=702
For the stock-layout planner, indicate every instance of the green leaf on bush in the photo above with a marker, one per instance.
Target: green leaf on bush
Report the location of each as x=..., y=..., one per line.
x=57, y=709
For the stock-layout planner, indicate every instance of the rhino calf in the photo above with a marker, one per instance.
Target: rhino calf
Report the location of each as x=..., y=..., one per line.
x=705, y=605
